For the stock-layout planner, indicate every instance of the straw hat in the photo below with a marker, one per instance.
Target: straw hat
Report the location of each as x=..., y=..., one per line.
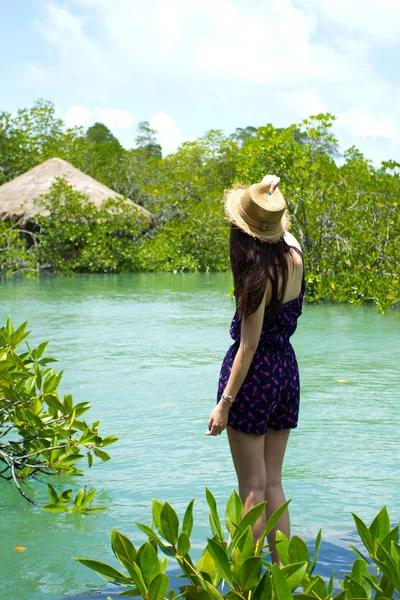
x=256, y=212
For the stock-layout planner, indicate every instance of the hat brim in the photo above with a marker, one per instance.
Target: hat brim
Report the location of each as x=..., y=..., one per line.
x=231, y=202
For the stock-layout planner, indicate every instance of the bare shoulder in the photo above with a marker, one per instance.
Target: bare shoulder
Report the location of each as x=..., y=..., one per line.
x=292, y=241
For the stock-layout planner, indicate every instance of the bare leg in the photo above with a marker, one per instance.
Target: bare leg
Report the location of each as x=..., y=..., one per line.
x=274, y=452
x=247, y=452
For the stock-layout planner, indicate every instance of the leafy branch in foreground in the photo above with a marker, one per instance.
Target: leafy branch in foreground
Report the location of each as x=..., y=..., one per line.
x=238, y=569
x=40, y=433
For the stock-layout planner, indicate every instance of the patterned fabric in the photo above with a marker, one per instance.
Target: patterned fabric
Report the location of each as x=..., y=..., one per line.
x=270, y=394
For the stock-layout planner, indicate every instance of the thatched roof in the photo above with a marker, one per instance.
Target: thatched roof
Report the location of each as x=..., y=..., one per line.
x=19, y=197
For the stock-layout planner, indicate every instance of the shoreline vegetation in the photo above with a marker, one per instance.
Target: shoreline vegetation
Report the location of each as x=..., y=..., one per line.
x=344, y=209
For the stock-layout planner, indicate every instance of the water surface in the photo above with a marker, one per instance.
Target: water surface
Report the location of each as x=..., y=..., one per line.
x=146, y=351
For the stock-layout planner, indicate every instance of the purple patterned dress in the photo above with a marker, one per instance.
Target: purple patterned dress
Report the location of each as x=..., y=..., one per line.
x=270, y=394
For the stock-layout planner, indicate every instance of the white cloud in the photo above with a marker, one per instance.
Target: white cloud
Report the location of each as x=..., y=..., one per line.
x=82, y=116
x=283, y=58
x=358, y=122
x=375, y=20
x=34, y=74
x=168, y=133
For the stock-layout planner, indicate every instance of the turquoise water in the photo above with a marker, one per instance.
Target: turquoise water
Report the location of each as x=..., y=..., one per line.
x=146, y=351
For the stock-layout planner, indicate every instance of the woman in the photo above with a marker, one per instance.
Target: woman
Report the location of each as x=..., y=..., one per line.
x=259, y=391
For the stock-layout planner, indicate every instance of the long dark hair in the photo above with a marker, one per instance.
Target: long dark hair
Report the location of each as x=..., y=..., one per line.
x=255, y=264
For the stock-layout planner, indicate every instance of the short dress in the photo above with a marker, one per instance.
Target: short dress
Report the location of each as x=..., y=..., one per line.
x=270, y=394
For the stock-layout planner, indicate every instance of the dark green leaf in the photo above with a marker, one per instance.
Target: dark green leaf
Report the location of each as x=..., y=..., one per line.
x=250, y=573
x=52, y=493
x=263, y=590
x=123, y=549
x=364, y=534
x=380, y=526
x=234, y=509
x=169, y=524
x=106, y=571
x=214, y=513
x=274, y=518
x=149, y=563
x=316, y=551
x=298, y=551
x=279, y=584
x=221, y=559
x=158, y=587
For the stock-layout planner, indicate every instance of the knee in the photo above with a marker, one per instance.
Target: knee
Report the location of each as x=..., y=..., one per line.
x=254, y=488
x=273, y=484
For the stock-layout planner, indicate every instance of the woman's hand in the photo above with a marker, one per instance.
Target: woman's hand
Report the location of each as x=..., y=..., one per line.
x=273, y=182
x=218, y=419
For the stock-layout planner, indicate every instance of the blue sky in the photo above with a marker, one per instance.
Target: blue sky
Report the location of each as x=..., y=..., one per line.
x=189, y=66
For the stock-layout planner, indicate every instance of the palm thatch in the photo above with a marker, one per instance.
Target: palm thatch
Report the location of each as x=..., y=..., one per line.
x=19, y=197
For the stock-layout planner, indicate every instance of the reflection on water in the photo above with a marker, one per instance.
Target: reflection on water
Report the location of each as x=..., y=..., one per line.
x=146, y=351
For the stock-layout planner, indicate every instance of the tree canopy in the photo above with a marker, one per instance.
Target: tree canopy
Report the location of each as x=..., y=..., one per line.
x=344, y=212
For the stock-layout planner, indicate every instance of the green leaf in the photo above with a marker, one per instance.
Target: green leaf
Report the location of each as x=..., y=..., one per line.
x=105, y=571
x=213, y=593
x=169, y=550
x=169, y=524
x=246, y=543
x=294, y=574
x=80, y=497
x=101, y=454
x=65, y=496
x=353, y=588
x=90, y=459
x=138, y=579
x=280, y=586
x=316, y=551
x=88, y=498
x=124, y=550
x=52, y=494
x=206, y=565
x=149, y=563
x=358, y=571
x=158, y=587
x=58, y=508
x=274, y=518
x=234, y=509
x=221, y=559
x=54, y=403
x=298, y=551
x=194, y=592
x=252, y=516
x=282, y=547
x=359, y=554
x=156, y=508
x=187, y=523
x=364, y=534
x=250, y=572
x=132, y=592
x=214, y=514
x=183, y=544
x=392, y=536
x=263, y=590
x=380, y=526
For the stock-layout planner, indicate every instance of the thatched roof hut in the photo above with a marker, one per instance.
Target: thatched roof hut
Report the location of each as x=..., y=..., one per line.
x=19, y=197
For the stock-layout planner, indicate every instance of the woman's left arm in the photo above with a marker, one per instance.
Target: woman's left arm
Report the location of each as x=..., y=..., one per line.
x=249, y=339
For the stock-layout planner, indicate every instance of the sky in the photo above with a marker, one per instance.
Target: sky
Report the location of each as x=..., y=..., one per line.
x=188, y=66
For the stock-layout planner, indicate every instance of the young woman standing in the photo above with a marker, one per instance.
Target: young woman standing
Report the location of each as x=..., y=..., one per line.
x=259, y=388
